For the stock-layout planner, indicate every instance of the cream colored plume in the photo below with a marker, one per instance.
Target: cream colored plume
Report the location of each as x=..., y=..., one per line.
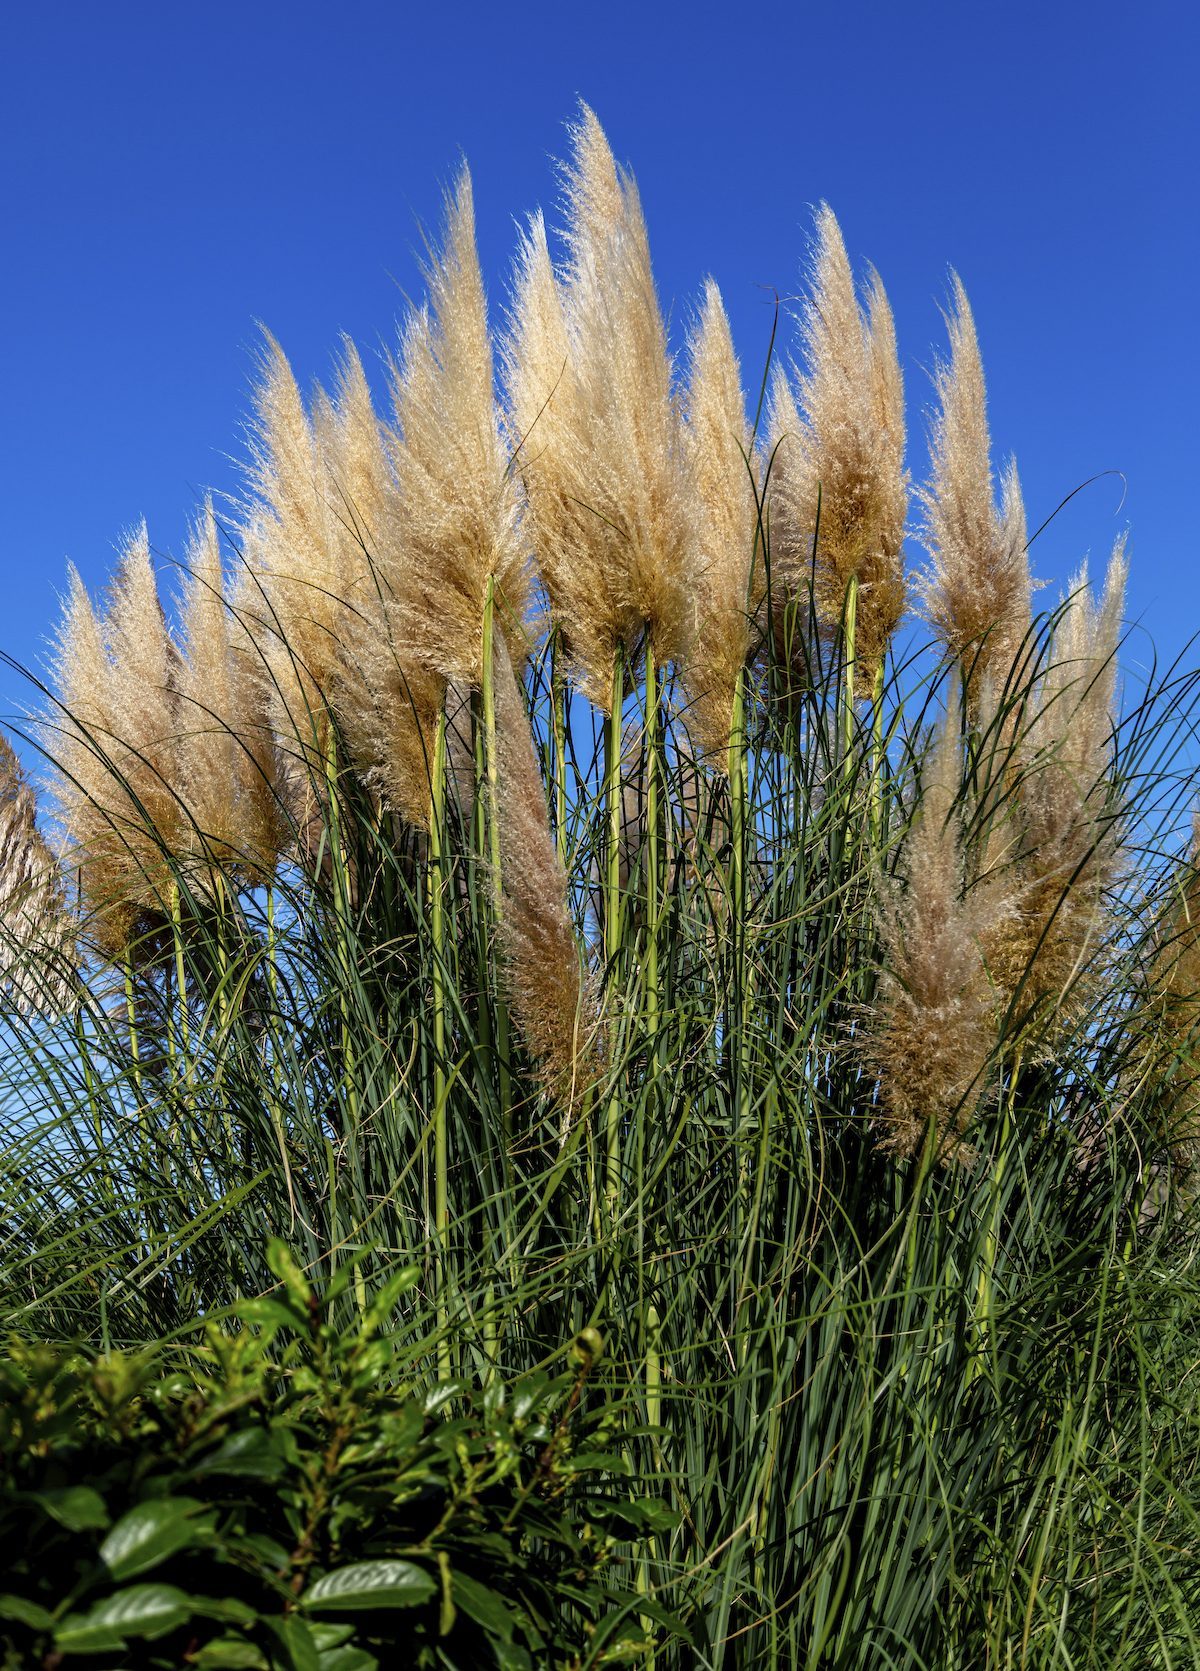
x=1069, y=826
x=1167, y=1042
x=976, y=591
x=933, y=1031
x=458, y=499
x=385, y=696
x=35, y=931
x=114, y=743
x=227, y=763
x=302, y=568
x=552, y=1002
x=595, y=425
x=729, y=569
x=839, y=440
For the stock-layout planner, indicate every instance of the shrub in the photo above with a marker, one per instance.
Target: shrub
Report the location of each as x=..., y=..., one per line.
x=288, y=1494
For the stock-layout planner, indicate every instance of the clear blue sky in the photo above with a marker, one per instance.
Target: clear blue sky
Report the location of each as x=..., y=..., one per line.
x=173, y=174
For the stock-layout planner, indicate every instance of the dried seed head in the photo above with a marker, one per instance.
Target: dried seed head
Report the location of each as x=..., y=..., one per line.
x=840, y=447
x=35, y=931
x=457, y=497
x=598, y=436
x=1167, y=1047
x=301, y=567
x=552, y=1002
x=114, y=743
x=729, y=572
x=228, y=768
x=976, y=591
x=1069, y=826
x=933, y=1031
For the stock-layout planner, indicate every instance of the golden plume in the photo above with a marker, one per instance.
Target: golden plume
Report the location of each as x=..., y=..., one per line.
x=552, y=1002
x=933, y=1030
x=227, y=761
x=976, y=591
x=1167, y=1041
x=301, y=571
x=840, y=445
x=35, y=929
x=115, y=750
x=596, y=427
x=729, y=574
x=1065, y=847
x=457, y=497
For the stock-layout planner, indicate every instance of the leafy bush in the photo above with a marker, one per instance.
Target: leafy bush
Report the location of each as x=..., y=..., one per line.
x=284, y=1495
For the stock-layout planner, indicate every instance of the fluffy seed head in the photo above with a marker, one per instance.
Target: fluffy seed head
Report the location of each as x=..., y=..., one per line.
x=841, y=444
x=35, y=932
x=976, y=591
x=301, y=568
x=228, y=769
x=553, y=1005
x=1069, y=827
x=729, y=574
x=599, y=446
x=114, y=742
x=934, y=1031
x=457, y=497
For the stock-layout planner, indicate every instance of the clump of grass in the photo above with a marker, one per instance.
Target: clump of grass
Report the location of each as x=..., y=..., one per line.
x=481, y=909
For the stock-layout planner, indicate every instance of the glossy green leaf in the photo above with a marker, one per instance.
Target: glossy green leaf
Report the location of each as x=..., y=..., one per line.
x=152, y=1532
x=249, y=1452
x=371, y=1584
x=230, y=1653
x=25, y=1612
x=140, y=1610
x=483, y=1605
x=77, y=1507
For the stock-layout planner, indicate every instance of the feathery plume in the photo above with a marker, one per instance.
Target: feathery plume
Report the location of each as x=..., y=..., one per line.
x=1168, y=1044
x=842, y=444
x=385, y=696
x=35, y=932
x=934, y=1028
x=457, y=496
x=729, y=577
x=228, y=769
x=115, y=747
x=588, y=380
x=1067, y=845
x=301, y=568
x=976, y=590
x=553, y=1005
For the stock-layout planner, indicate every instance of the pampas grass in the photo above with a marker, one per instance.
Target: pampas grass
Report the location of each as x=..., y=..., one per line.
x=766, y=965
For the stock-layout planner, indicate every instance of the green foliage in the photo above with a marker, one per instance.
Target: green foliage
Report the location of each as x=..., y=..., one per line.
x=289, y=1494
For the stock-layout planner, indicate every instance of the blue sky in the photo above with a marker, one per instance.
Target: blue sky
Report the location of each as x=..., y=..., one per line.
x=171, y=175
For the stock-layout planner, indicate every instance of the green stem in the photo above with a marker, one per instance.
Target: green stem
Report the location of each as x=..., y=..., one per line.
x=493, y=819
x=612, y=924
x=559, y=731
x=849, y=633
x=135, y=1053
x=652, y=884
x=877, y=763
x=437, y=928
